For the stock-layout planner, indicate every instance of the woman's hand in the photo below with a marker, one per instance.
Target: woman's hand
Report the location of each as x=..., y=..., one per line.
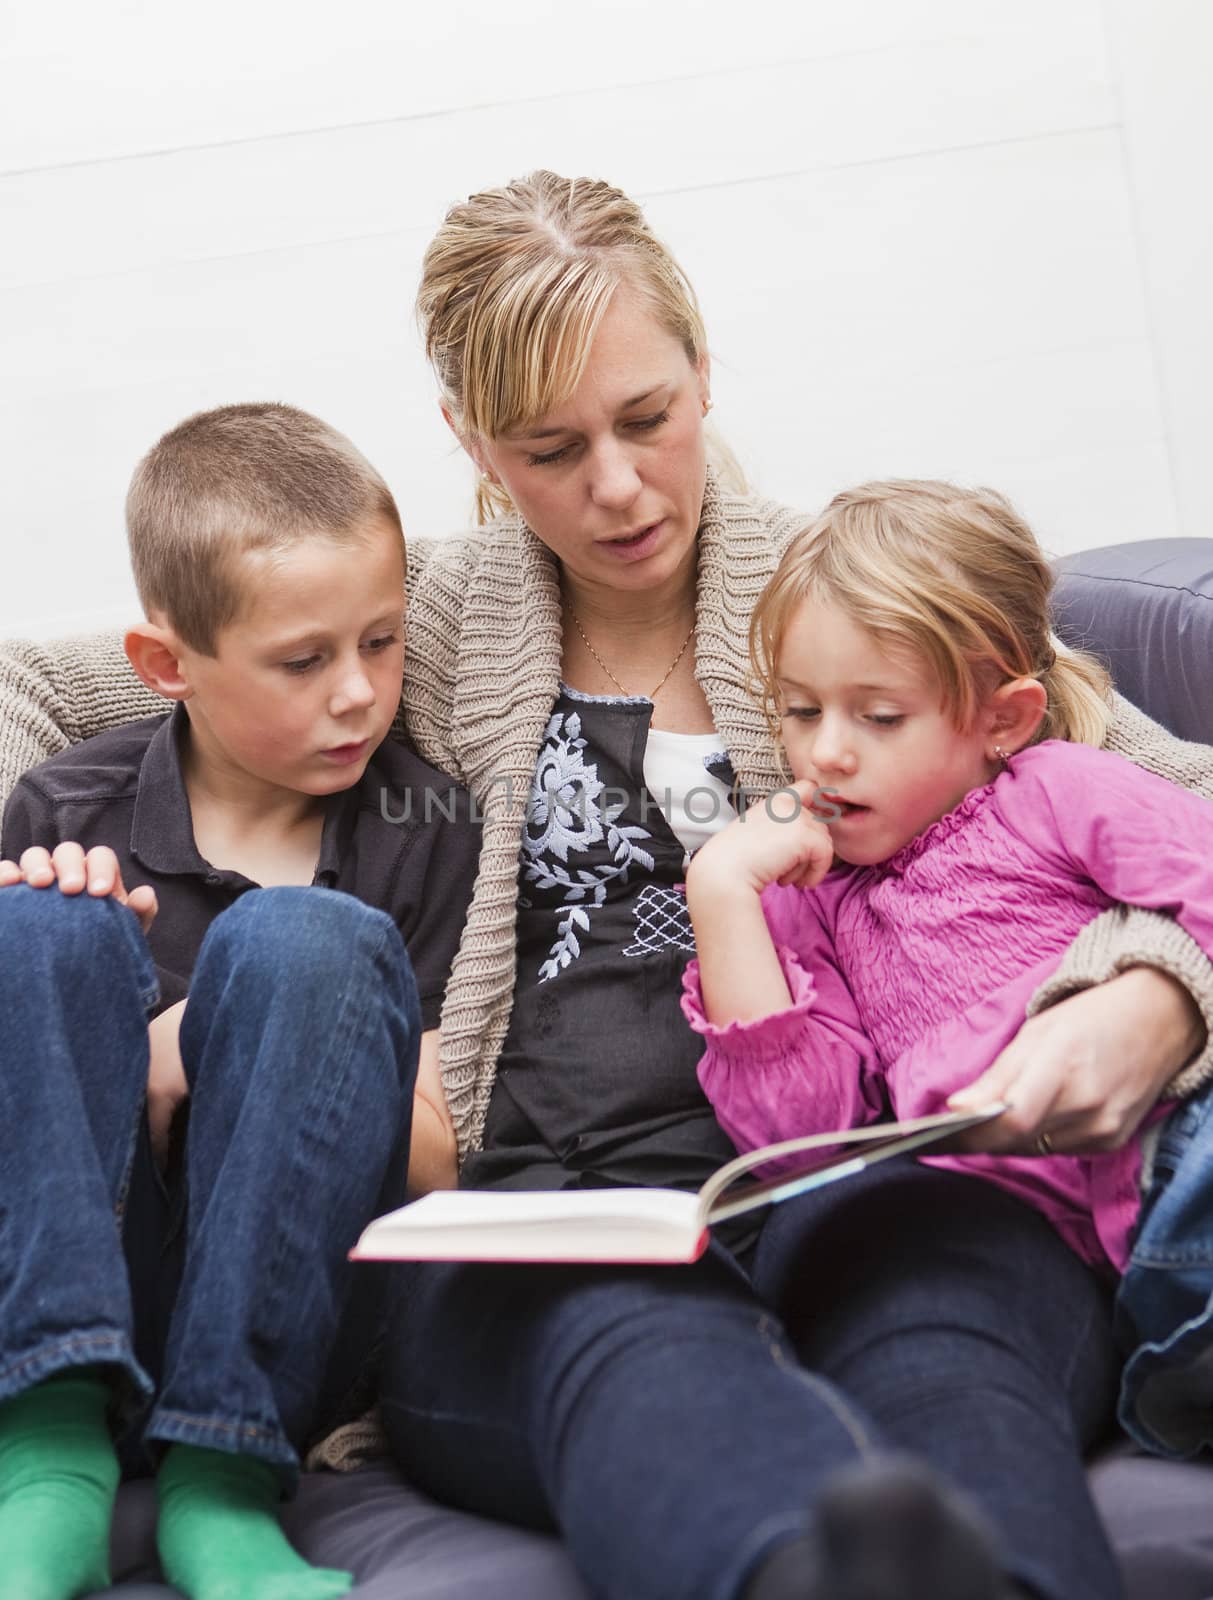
x=74, y=869
x=1086, y=1072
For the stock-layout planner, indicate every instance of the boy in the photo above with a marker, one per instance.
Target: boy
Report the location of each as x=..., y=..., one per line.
x=269, y=559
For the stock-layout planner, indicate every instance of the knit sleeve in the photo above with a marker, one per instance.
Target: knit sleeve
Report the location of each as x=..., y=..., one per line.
x=432, y=632
x=1131, y=937
x=57, y=693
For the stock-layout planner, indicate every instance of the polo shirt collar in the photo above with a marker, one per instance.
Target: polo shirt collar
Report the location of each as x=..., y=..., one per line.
x=162, y=832
x=162, y=829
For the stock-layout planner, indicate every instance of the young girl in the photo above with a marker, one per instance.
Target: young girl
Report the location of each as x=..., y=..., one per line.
x=869, y=939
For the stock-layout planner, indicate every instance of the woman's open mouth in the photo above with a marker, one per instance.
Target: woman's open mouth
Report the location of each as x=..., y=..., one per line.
x=634, y=546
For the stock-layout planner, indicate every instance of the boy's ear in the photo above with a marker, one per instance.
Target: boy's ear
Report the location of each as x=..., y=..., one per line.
x=1015, y=712
x=155, y=652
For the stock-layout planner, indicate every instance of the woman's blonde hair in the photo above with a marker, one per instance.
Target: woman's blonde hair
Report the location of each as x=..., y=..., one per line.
x=513, y=288
x=954, y=576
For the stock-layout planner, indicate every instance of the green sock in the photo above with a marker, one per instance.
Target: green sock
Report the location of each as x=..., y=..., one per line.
x=219, y=1536
x=58, y=1478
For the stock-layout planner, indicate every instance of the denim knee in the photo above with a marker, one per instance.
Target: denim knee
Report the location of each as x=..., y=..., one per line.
x=311, y=946
x=75, y=935
x=316, y=933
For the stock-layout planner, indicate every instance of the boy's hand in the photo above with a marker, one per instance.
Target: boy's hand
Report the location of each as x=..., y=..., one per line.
x=73, y=870
x=778, y=840
x=433, y=1153
x=167, y=1086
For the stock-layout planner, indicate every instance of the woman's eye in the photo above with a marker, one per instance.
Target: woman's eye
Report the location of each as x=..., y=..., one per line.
x=639, y=425
x=550, y=457
x=645, y=424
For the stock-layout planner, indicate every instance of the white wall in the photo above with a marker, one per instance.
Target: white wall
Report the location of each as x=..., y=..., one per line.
x=948, y=237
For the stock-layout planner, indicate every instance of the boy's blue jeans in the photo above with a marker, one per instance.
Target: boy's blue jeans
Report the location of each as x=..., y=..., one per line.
x=229, y=1307
x=1164, y=1307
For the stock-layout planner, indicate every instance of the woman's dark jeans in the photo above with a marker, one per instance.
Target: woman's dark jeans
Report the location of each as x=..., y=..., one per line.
x=676, y=1424
x=236, y=1309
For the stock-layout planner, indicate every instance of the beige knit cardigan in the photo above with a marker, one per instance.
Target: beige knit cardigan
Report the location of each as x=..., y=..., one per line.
x=483, y=670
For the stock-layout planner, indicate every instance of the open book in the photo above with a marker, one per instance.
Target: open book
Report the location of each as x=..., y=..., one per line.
x=639, y=1225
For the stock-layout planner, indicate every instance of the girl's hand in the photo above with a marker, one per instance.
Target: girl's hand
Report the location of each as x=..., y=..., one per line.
x=1086, y=1072
x=778, y=840
x=74, y=870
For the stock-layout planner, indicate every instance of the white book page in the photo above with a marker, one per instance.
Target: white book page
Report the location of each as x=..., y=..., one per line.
x=573, y=1225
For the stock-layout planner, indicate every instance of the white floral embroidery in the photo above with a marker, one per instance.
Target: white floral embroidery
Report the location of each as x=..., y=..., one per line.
x=565, y=816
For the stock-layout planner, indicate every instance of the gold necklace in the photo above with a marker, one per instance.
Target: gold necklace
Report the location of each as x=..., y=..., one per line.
x=653, y=693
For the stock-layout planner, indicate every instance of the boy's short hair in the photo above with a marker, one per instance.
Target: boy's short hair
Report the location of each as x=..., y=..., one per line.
x=237, y=479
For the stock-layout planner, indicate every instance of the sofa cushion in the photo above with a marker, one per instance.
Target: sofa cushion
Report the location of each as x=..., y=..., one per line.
x=1160, y=1516
x=394, y=1540
x=397, y=1542
x=1147, y=610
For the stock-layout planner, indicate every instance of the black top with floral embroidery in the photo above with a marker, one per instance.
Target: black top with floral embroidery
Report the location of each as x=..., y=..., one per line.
x=596, y=1082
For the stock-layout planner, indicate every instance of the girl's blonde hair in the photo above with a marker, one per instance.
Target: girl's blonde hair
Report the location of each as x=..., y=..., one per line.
x=952, y=575
x=513, y=288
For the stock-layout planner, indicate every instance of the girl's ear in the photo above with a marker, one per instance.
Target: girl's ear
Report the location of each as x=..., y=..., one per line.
x=1014, y=714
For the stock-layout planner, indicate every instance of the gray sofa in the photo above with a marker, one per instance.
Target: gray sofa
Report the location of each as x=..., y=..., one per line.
x=1148, y=608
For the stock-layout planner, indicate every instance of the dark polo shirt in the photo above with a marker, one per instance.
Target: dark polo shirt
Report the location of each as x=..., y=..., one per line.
x=125, y=789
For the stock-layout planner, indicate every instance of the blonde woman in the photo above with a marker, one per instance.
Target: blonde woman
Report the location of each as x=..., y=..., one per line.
x=580, y=662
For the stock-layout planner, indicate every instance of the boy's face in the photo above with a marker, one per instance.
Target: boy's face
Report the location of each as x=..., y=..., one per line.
x=304, y=684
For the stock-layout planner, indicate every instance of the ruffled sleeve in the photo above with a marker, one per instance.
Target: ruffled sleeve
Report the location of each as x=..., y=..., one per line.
x=807, y=1069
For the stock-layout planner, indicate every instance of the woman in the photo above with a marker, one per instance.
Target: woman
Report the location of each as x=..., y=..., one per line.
x=578, y=658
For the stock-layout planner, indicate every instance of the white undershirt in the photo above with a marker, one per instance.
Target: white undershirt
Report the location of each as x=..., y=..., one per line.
x=694, y=802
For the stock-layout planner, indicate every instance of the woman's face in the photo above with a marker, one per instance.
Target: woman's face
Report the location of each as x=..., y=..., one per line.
x=612, y=481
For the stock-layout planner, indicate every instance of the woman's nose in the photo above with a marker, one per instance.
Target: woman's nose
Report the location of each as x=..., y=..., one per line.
x=614, y=480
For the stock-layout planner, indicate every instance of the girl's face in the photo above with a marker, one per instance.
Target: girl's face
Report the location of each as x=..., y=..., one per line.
x=612, y=481
x=868, y=724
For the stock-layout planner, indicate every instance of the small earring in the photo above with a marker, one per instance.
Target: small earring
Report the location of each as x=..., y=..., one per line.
x=1003, y=755
x=707, y=406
